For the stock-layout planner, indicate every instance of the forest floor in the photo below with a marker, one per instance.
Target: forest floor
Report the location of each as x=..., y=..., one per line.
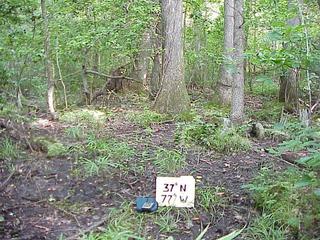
x=53, y=194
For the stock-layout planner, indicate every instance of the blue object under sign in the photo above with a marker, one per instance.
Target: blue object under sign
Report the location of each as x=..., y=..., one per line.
x=146, y=204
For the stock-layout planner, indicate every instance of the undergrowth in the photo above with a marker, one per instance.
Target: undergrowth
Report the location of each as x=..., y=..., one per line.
x=103, y=154
x=299, y=138
x=146, y=118
x=85, y=117
x=212, y=136
x=8, y=149
x=169, y=161
x=211, y=198
x=292, y=198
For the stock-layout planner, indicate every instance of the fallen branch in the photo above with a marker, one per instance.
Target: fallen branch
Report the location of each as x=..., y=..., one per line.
x=114, y=77
x=68, y=213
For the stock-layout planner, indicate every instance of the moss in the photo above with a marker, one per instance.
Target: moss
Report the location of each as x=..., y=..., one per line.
x=87, y=117
x=50, y=146
x=56, y=149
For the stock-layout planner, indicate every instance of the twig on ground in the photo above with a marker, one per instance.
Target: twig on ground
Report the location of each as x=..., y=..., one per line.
x=295, y=164
x=5, y=183
x=68, y=213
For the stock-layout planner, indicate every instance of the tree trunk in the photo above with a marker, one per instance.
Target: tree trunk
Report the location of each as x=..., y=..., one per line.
x=288, y=92
x=156, y=68
x=237, y=104
x=141, y=64
x=85, y=85
x=225, y=84
x=172, y=97
x=48, y=65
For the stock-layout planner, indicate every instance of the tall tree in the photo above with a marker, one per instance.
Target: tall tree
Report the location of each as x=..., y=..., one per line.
x=288, y=91
x=172, y=96
x=141, y=63
x=155, y=79
x=48, y=65
x=237, y=103
x=225, y=84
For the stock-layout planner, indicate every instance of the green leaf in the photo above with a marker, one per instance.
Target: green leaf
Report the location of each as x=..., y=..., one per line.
x=233, y=234
x=203, y=233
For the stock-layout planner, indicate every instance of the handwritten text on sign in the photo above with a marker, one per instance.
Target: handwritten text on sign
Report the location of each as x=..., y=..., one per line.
x=175, y=191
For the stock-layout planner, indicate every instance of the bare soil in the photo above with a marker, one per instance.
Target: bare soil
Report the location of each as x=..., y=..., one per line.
x=29, y=200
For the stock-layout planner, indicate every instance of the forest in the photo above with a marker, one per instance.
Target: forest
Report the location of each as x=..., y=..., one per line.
x=101, y=101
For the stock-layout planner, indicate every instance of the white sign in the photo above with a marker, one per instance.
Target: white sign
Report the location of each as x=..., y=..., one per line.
x=175, y=191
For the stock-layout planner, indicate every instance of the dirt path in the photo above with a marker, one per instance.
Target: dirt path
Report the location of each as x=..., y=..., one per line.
x=46, y=197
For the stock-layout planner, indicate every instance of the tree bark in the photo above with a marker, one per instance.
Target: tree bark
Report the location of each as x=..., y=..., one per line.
x=141, y=64
x=156, y=68
x=172, y=97
x=225, y=84
x=85, y=85
x=237, y=103
x=48, y=65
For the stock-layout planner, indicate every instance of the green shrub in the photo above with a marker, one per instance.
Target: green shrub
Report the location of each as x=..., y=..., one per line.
x=195, y=132
x=228, y=141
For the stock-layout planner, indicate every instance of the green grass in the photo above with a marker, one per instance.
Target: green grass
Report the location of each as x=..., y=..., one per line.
x=123, y=223
x=270, y=111
x=169, y=161
x=146, y=118
x=105, y=146
x=76, y=132
x=266, y=227
x=9, y=150
x=84, y=117
x=103, y=154
x=211, y=198
x=167, y=222
x=187, y=116
x=10, y=111
x=291, y=197
x=228, y=142
x=213, y=137
x=95, y=166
